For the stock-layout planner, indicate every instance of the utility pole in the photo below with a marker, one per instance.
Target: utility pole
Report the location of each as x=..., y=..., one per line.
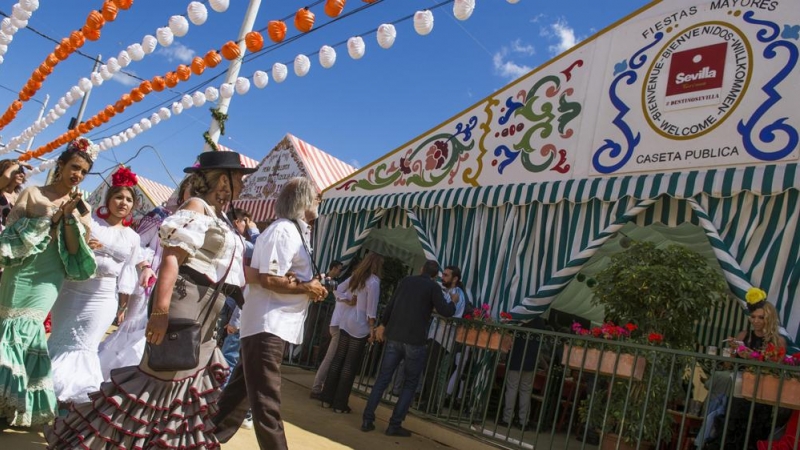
x=41, y=113
x=233, y=69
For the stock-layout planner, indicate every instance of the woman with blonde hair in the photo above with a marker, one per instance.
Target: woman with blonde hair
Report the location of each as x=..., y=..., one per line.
x=361, y=292
x=764, y=326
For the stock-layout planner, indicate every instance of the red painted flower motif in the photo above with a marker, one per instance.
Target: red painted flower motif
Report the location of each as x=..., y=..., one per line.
x=436, y=155
x=405, y=166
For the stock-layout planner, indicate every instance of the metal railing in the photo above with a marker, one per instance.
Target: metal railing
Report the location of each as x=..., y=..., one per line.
x=584, y=390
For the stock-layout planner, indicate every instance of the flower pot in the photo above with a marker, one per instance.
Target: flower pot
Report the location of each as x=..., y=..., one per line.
x=768, y=386
x=605, y=362
x=491, y=339
x=609, y=442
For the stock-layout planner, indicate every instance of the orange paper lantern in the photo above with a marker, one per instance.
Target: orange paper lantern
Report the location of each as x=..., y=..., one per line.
x=24, y=96
x=158, y=83
x=276, y=29
x=123, y=4
x=16, y=105
x=198, y=65
x=76, y=39
x=90, y=33
x=254, y=41
x=212, y=58
x=102, y=116
x=61, y=53
x=96, y=121
x=304, y=20
x=37, y=76
x=171, y=79
x=146, y=87
x=51, y=60
x=230, y=51
x=136, y=95
x=119, y=106
x=126, y=99
x=334, y=7
x=45, y=69
x=82, y=129
x=183, y=72
x=95, y=20
x=110, y=11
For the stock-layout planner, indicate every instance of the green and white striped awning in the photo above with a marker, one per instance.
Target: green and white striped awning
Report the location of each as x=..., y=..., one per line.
x=760, y=180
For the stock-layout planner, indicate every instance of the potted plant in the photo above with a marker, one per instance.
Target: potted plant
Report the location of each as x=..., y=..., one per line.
x=475, y=330
x=595, y=357
x=664, y=291
x=773, y=385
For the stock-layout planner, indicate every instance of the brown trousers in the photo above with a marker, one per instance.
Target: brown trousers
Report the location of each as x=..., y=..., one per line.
x=255, y=384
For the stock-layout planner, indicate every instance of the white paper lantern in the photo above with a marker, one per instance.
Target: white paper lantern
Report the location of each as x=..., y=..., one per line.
x=327, y=56
x=20, y=24
x=197, y=12
x=423, y=22
x=137, y=129
x=149, y=43
x=6, y=39
x=29, y=5
x=260, y=79
x=3, y=48
x=179, y=25
x=62, y=102
x=20, y=13
x=115, y=140
x=130, y=134
x=164, y=113
x=76, y=92
x=136, y=51
x=219, y=6
x=97, y=79
x=242, y=85
x=301, y=65
x=85, y=84
x=155, y=118
x=105, y=74
x=462, y=9
x=199, y=99
x=226, y=90
x=6, y=27
x=113, y=65
x=356, y=47
x=59, y=110
x=186, y=101
x=108, y=142
x=124, y=59
x=386, y=35
x=212, y=94
x=145, y=124
x=165, y=36
x=513, y=1
x=177, y=108
x=279, y=72
x=69, y=98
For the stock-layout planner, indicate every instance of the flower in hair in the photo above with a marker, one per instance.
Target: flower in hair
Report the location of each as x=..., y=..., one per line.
x=755, y=295
x=123, y=177
x=84, y=145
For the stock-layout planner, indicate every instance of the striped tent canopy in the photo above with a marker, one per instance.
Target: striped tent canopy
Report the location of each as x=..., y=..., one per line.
x=149, y=194
x=519, y=246
x=291, y=157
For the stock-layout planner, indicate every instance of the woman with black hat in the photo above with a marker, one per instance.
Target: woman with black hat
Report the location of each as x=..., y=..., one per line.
x=168, y=400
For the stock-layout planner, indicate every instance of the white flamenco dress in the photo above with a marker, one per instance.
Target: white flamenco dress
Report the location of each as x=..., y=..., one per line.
x=125, y=346
x=85, y=309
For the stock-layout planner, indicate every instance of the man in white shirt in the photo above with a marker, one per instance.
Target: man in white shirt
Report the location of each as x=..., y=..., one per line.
x=274, y=313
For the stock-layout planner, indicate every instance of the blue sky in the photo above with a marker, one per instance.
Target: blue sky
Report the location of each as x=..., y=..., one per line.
x=357, y=110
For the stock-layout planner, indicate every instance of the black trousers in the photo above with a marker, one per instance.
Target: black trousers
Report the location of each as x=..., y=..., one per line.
x=344, y=368
x=255, y=384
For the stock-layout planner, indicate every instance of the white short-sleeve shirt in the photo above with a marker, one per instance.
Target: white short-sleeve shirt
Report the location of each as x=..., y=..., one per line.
x=278, y=250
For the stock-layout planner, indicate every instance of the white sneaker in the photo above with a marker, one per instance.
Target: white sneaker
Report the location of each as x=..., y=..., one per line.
x=247, y=424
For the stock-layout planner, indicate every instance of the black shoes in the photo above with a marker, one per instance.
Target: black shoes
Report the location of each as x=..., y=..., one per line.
x=367, y=426
x=397, y=431
x=502, y=423
x=315, y=395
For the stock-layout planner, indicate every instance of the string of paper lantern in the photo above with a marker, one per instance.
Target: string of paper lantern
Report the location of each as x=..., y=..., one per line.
x=178, y=25
x=21, y=12
x=95, y=22
x=385, y=36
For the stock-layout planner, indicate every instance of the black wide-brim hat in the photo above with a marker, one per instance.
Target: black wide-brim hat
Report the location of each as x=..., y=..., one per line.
x=219, y=160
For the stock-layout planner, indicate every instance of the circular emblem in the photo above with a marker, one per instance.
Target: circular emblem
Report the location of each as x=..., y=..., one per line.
x=697, y=80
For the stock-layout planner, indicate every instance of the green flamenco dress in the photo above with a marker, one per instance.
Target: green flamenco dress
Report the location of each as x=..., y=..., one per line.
x=35, y=267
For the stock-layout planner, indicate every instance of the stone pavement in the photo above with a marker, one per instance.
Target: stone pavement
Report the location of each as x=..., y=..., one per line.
x=308, y=426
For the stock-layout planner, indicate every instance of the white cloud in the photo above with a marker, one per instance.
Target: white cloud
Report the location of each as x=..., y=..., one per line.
x=503, y=61
x=125, y=79
x=563, y=34
x=537, y=18
x=177, y=52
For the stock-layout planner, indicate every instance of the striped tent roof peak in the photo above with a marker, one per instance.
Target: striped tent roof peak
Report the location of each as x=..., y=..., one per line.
x=322, y=167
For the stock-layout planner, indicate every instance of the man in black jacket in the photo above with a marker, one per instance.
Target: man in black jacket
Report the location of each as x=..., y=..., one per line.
x=404, y=327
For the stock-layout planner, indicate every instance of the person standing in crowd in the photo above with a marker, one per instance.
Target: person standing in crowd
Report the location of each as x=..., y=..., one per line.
x=519, y=380
x=12, y=177
x=273, y=314
x=334, y=271
x=55, y=236
x=441, y=336
x=362, y=292
x=403, y=325
x=165, y=401
x=85, y=309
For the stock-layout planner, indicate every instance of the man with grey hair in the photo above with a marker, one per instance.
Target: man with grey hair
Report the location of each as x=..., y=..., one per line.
x=282, y=279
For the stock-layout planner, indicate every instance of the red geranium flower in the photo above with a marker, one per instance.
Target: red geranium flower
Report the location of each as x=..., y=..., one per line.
x=655, y=338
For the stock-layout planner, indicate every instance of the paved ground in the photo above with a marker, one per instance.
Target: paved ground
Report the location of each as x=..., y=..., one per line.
x=308, y=426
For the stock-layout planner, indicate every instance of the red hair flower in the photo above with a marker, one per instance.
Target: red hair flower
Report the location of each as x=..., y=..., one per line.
x=124, y=177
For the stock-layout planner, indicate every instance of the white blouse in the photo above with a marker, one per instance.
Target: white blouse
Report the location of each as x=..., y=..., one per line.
x=187, y=230
x=118, y=255
x=355, y=319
